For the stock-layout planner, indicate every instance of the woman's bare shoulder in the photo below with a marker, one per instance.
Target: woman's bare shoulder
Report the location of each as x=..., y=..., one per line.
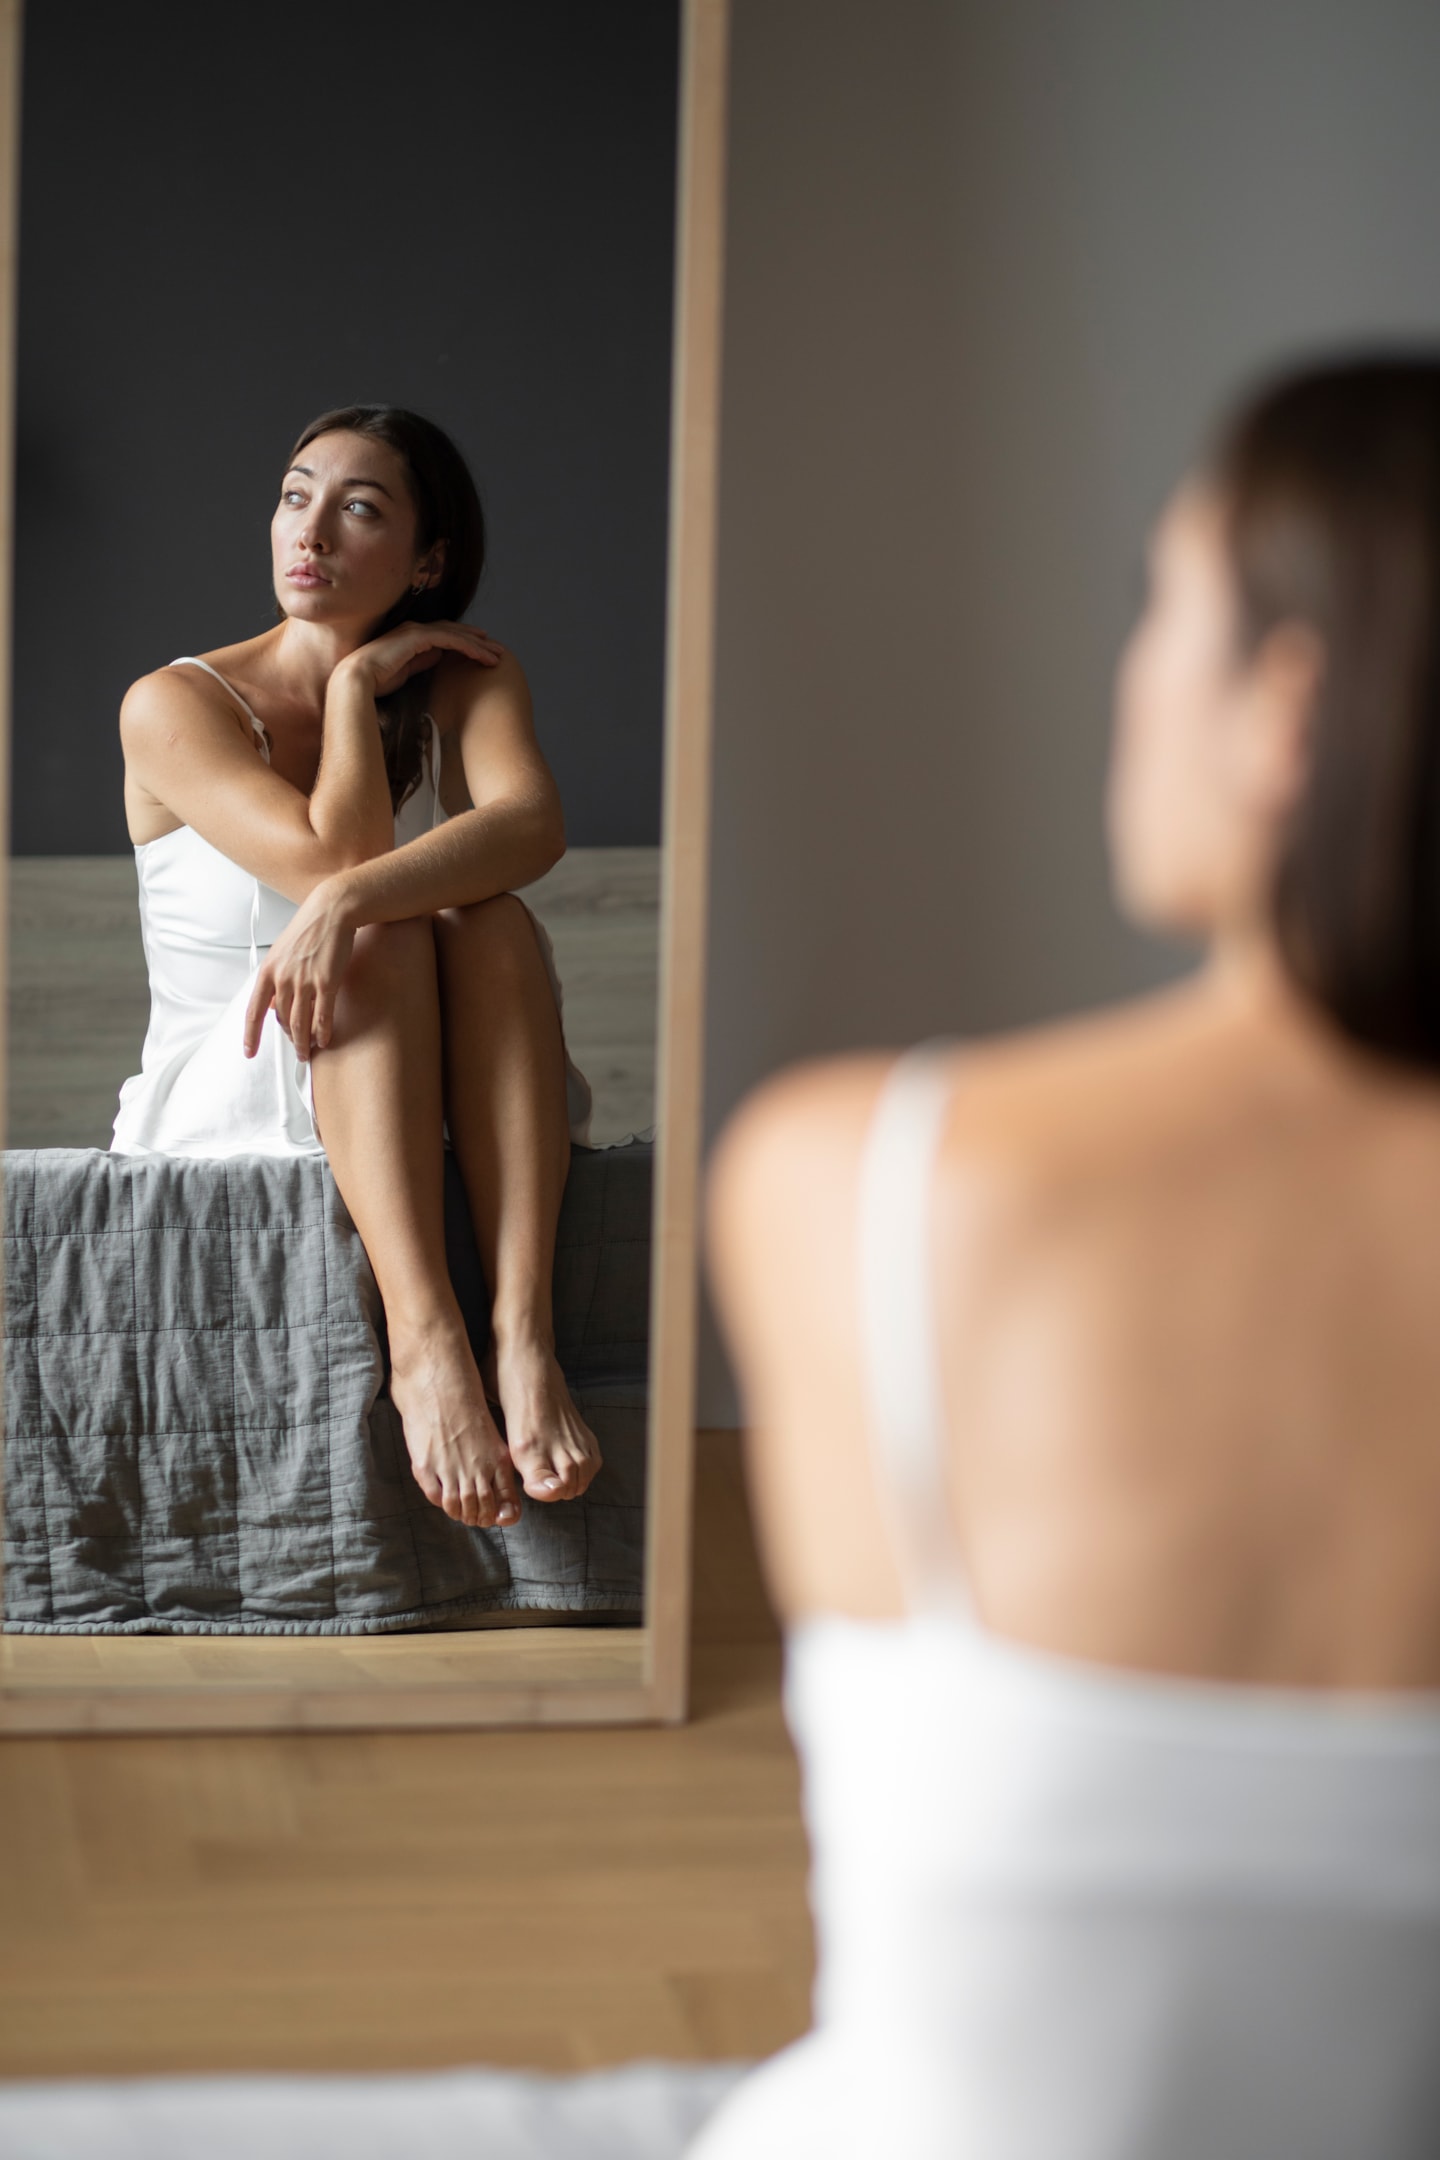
x=459, y=684
x=778, y=1183
x=171, y=697
x=177, y=723
x=1013, y=1093
x=164, y=695
x=1033, y=1117
x=789, y=1135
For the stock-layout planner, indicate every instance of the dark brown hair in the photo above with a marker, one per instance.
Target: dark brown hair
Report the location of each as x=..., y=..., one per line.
x=1329, y=484
x=447, y=507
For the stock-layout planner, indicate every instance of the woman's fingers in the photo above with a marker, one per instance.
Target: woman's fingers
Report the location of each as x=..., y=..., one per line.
x=324, y=1022
x=301, y=1012
x=261, y=999
x=460, y=637
x=411, y=647
x=463, y=637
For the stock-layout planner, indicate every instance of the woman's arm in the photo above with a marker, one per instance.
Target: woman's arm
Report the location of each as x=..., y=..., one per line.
x=512, y=835
x=781, y=1196
x=200, y=765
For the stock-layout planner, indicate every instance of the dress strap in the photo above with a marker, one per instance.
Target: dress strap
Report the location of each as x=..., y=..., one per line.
x=189, y=660
x=899, y=1337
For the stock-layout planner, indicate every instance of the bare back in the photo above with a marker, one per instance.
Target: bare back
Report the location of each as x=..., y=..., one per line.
x=1187, y=1264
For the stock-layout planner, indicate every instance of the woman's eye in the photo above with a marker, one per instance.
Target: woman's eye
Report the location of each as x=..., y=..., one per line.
x=292, y=496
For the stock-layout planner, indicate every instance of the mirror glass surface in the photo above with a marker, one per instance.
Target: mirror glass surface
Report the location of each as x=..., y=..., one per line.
x=230, y=224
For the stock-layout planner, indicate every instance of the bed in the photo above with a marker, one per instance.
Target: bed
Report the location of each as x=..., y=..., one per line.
x=198, y=1437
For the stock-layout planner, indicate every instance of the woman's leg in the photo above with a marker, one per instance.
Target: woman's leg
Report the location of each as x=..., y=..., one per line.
x=504, y=1065
x=377, y=1100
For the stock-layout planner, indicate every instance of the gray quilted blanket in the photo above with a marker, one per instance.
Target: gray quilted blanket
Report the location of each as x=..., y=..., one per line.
x=197, y=1436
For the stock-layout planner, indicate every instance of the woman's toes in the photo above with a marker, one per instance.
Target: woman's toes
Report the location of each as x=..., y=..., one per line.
x=499, y=1503
x=553, y=1481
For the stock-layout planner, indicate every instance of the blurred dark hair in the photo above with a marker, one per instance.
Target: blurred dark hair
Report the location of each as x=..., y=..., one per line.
x=447, y=507
x=1329, y=484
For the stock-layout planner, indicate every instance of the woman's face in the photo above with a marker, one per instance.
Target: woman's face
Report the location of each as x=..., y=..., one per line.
x=1205, y=757
x=343, y=535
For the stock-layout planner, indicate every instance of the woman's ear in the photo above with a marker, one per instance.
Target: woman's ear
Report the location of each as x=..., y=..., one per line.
x=431, y=567
x=1273, y=760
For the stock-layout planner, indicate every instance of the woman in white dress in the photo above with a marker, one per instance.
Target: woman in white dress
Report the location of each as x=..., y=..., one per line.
x=1094, y=1386
x=329, y=819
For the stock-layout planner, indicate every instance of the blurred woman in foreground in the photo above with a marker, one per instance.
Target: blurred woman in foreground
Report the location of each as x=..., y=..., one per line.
x=1094, y=1384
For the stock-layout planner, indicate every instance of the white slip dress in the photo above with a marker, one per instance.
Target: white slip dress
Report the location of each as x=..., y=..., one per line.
x=206, y=924
x=1070, y=1912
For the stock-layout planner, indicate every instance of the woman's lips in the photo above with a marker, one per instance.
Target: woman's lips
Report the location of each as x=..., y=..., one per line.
x=302, y=574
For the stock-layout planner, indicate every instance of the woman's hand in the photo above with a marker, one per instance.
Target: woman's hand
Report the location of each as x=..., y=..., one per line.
x=410, y=648
x=301, y=973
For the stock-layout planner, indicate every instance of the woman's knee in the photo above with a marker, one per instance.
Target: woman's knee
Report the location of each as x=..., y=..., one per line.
x=391, y=955
x=494, y=930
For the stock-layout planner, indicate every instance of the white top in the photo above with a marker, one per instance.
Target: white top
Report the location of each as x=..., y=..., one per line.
x=1066, y=1912
x=205, y=924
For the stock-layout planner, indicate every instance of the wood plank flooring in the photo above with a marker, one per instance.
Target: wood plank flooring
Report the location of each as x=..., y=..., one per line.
x=557, y=1900
x=79, y=1003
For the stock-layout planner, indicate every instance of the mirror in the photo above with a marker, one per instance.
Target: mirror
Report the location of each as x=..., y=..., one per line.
x=212, y=1515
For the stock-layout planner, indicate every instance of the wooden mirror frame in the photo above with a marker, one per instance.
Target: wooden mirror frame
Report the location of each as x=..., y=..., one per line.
x=520, y=1676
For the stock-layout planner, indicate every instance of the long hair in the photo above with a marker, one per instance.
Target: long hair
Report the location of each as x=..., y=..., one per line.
x=447, y=507
x=1329, y=486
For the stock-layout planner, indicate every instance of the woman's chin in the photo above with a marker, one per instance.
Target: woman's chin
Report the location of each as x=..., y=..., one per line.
x=308, y=603
x=1158, y=904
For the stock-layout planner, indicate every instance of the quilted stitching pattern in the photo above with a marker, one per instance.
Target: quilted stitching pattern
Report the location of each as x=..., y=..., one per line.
x=196, y=1433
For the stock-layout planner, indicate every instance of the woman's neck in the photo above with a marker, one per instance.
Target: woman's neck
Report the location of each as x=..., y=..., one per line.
x=1248, y=983
x=304, y=656
x=1244, y=967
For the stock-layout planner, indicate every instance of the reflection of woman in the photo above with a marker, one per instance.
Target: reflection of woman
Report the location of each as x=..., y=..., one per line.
x=1102, y=1499
x=328, y=819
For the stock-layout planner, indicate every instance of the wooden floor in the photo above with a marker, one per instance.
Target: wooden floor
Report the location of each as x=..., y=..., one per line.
x=79, y=1002
x=366, y=1901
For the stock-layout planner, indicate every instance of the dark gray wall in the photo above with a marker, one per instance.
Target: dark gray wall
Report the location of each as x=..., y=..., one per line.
x=235, y=218
x=991, y=268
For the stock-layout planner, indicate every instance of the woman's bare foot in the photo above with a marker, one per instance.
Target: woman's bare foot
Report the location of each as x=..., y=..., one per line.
x=551, y=1446
x=461, y=1463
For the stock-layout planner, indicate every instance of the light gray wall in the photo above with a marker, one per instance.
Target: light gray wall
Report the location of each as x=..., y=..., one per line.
x=991, y=269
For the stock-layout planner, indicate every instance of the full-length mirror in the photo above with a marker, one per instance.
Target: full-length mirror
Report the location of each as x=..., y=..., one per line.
x=355, y=510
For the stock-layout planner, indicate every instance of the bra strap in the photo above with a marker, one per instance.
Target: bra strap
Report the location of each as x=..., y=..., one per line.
x=899, y=1340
